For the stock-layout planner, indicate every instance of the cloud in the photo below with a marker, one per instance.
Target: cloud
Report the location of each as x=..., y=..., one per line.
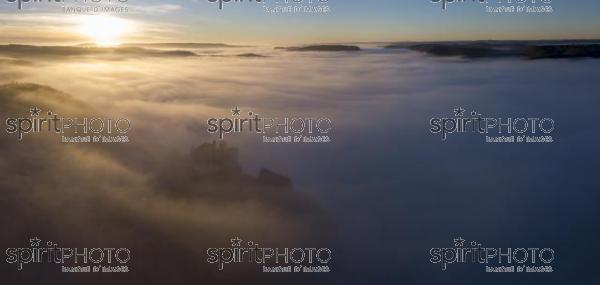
x=384, y=177
x=166, y=207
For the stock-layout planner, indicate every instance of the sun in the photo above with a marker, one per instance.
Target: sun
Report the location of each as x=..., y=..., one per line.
x=103, y=30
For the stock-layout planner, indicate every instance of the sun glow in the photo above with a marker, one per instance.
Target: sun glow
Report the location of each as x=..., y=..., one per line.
x=103, y=30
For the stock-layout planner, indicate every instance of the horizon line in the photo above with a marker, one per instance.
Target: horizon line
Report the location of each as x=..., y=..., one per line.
x=307, y=44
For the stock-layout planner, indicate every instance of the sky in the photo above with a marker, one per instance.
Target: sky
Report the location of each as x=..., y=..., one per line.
x=347, y=21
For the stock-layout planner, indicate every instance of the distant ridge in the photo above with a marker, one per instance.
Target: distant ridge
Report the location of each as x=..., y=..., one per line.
x=186, y=45
x=497, y=42
x=29, y=51
x=496, y=49
x=321, y=48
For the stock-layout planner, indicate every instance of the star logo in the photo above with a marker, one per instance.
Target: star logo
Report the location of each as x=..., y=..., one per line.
x=35, y=111
x=459, y=242
x=35, y=241
x=236, y=241
x=236, y=111
x=459, y=112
